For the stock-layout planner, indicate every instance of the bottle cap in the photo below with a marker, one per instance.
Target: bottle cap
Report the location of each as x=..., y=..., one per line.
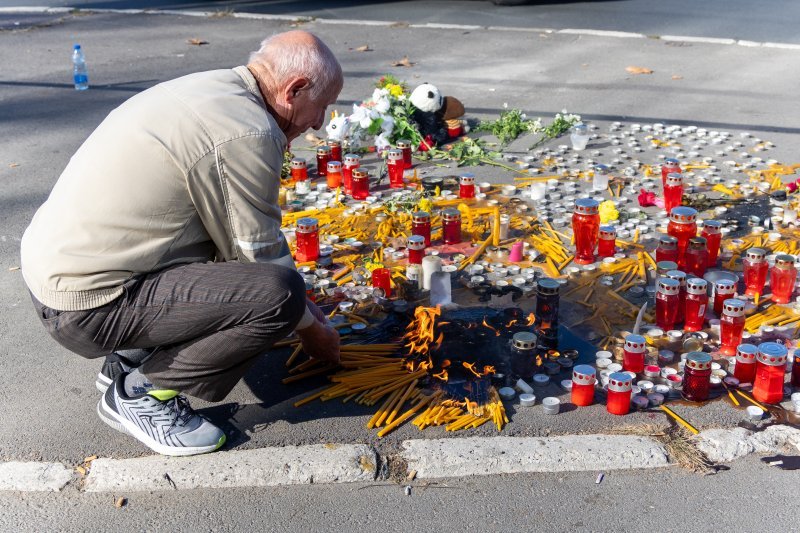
x=451, y=214
x=635, y=343
x=712, y=227
x=698, y=361
x=620, y=382
x=76, y=47
x=394, y=154
x=674, y=179
x=547, y=287
x=420, y=217
x=669, y=286
x=403, y=143
x=351, y=160
x=683, y=215
x=733, y=307
x=587, y=206
x=696, y=286
x=772, y=354
x=323, y=150
x=524, y=340
x=334, y=167
x=359, y=173
x=333, y=143
x=584, y=375
x=307, y=225
x=671, y=162
x=725, y=286
x=298, y=162
x=467, y=179
x=677, y=275
x=608, y=233
x=784, y=261
x=697, y=243
x=746, y=354
x=668, y=242
x=756, y=254
x=416, y=242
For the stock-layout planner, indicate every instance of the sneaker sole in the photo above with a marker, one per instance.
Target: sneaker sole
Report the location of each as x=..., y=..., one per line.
x=124, y=425
x=102, y=383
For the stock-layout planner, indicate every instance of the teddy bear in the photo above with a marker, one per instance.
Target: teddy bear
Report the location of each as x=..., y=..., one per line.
x=436, y=116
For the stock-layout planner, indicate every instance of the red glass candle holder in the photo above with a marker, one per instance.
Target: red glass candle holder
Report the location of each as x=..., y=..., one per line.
x=350, y=162
x=712, y=233
x=334, y=174
x=673, y=191
x=670, y=166
x=336, y=149
x=633, y=353
x=421, y=225
x=683, y=226
x=697, y=257
x=723, y=289
x=755, y=271
x=451, y=226
x=618, y=401
x=405, y=146
x=360, y=183
x=697, y=377
x=782, y=279
x=323, y=156
x=466, y=186
x=396, y=167
x=667, y=299
x=696, y=304
x=307, y=235
x=667, y=249
x=299, y=169
x=586, y=229
x=680, y=277
x=416, y=249
x=731, y=325
x=583, y=382
x=745, y=369
x=382, y=279
x=607, y=245
x=770, y=372
x=796, y=370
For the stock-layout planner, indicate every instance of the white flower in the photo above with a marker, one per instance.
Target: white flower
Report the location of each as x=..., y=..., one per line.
x=382, y=105
x=387, y=125
x=362, y=116
x=382, y=142
x=505, y=105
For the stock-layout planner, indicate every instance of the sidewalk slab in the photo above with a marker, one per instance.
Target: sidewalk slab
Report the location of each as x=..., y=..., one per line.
x=506, y=455
x=34, y=477
x=725, y=445
x=290, y=465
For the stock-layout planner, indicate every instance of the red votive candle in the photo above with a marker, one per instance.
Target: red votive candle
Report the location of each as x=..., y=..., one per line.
x=334, y=174
x=712, y=233
x=607, y=245
x=667, y=249
x=583, y=382
x=396, y=167
x=667, y=299
x=782, y=279
x=618, y=401
x=696, y=304
x=466, y=186
x=586, y=229
x=323, y=156
x=731, y=325
x=770, y=372
x=336, y=149
x=307, y=235
x=382, y=279
x=683, y=226
x=360, y=183
x=755, y=271
x=633, y=354
x=350, y=162
x=670, y=166
x=299, y=169
x=723, y=289
x=673, y=191
x=697, y=376
x=416, y=249
x=745, y=369
x=680, y=277
x=697, y=257
x=421, y=225
x=451, y=226
x=405, y=146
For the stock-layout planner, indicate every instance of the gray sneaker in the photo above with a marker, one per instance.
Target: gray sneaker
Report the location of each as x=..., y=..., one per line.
x=118, y=362
x=160, y=419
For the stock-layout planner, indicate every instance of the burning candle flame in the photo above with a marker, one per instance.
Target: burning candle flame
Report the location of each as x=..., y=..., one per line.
x=471, y=368
x=485, y=324
x=441, y=375
x=531, y=319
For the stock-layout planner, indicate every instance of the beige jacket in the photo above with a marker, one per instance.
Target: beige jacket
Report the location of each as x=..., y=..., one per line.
x=185, y=171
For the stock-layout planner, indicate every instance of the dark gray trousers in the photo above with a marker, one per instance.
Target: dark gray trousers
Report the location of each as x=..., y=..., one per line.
x=207, y=321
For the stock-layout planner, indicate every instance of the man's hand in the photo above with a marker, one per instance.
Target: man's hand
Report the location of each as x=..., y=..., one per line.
x=320, y=341
x=316, y=311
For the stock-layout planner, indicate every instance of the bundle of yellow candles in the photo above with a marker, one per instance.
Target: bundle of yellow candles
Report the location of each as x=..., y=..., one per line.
x=774, y=315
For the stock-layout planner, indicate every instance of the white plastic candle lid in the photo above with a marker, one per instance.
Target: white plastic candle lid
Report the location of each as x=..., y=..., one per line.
x=603, y=363
x=507, y=393
x=614, y=367
x=527, y=400
x=755, y=413
x=541, y=379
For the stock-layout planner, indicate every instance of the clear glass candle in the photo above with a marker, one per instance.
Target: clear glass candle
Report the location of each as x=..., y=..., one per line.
x=731, y=325
x=396, y=167
x=712, y=233
x=680, y=277
x=350, y=162
x=667, y=303
x=405, y=146
x=755, y=271
x=782, y=279
x=360, y=183
x=618, y=401
x=600, y=178
x=608, y=241
x=673, y=191
x=683, y=226
x=334, y=174
x=323, y=156
x=670, y=166
x=745, y=369
x=583, y=382
x=466, y=186
x=299, y=169
x=451, y=226
x=633, y=352
x=336, y=150
x=586, y=229
x=416, y=249
x=667, y=249
x=421, y=225
x=697, y=377
x=770, y=372
x=307, y=235
x=696, y=304
x=723, y=289
x=697, y=257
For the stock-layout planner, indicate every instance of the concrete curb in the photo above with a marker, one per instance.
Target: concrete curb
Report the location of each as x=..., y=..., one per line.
x=475, y=456
x=725, y=445
x=34, y=477
x=290, y=465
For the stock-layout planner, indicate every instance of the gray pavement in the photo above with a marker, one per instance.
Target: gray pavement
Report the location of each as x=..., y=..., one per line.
x=47, y=393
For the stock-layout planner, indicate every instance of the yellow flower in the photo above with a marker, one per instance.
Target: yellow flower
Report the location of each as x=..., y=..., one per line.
x=394, y=89
x=425, y=204
x=608, y=212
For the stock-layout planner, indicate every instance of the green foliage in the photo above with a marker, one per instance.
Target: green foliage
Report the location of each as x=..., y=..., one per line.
x=511, y=124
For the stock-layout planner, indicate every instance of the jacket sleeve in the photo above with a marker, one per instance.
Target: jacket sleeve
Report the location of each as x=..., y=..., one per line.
x=235, y=190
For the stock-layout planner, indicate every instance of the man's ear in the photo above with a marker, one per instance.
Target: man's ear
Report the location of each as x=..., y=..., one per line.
x=294, y=88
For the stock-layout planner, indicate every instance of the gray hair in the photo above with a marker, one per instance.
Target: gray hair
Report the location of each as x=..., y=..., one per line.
x=287, y=60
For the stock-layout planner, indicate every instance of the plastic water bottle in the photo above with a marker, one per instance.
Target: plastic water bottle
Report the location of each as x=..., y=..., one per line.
x=79, y=74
